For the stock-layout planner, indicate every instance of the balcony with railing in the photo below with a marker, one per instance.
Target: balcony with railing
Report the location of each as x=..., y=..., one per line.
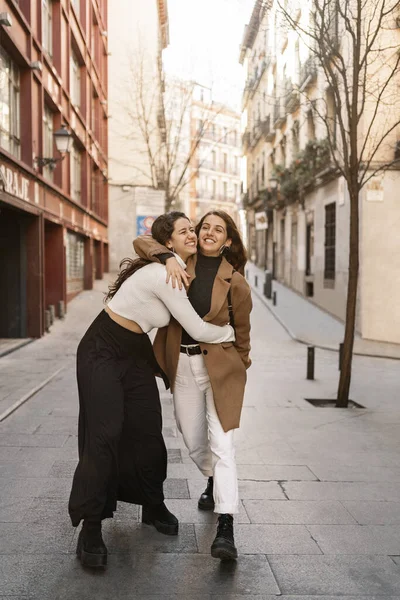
x=229, y=138
x=218, y=167
x=308, y=73
x=255, y=134
x=292, y=97
x=279, y=115
x=207, y=195
x=258, y=73
x=254, y=79
x=267, y=130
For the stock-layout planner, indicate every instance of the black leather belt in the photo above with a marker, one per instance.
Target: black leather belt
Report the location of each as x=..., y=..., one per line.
x=191, y=350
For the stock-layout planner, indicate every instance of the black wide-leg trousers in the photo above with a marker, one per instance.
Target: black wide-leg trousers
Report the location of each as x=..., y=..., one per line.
x=122, y=454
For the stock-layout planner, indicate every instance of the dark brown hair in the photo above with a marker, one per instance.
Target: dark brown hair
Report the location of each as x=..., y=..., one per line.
x=236, y=255
x=161, y=230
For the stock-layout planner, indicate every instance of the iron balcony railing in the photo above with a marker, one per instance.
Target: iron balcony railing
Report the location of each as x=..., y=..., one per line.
x=267, y=130
x=206, y=195
x=308, y=73
x=279, y=115
x=292, y=97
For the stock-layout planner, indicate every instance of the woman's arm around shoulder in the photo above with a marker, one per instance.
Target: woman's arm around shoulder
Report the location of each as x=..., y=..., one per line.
x=241, y=307
x=147, y=247
x=179, y=306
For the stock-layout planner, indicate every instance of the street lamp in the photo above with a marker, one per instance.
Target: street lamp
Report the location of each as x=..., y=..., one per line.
x=273, y=191
x=273, y=183
x=63, y=139
x=273, y=186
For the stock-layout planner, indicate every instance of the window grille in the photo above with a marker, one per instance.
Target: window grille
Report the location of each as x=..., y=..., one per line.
x=330, y=241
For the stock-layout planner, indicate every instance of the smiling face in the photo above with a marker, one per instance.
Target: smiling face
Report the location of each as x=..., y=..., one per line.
x=213, y=235
x=183, y=240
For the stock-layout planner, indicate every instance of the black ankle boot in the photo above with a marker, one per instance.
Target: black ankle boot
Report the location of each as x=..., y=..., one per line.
x=206, y=500
x=223, y=546
x=159, y=516
x=91, y=549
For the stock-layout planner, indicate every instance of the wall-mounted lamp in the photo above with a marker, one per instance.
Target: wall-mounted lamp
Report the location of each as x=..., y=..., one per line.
x=5, y=19
x=63, y=140
x=272, y=194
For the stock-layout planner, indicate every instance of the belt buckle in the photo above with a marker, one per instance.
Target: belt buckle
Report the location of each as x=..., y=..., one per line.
x=187, y=351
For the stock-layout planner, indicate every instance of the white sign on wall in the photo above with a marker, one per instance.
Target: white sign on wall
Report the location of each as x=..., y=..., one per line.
x=375, y=191
x=261, y=220
x=14, y=183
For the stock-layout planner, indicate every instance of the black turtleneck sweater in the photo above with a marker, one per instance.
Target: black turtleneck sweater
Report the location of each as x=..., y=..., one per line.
x=200, y=290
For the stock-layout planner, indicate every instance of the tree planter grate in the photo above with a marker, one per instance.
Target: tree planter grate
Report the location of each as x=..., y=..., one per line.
x=330, y=403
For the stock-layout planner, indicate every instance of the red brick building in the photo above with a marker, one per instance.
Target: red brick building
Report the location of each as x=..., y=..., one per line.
x=53, y=217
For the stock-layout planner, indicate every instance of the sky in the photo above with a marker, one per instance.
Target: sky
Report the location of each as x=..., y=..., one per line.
x=205, y=38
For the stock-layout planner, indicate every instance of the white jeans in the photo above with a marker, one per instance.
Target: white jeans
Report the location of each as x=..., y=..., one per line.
x=210, y=447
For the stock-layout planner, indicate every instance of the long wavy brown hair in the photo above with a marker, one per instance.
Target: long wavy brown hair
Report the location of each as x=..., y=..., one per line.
x=236, y=255
x=161, y=230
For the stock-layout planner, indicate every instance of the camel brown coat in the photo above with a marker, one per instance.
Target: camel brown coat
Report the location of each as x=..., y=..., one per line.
x=227, y=362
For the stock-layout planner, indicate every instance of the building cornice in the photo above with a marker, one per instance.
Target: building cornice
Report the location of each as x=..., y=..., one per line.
x=251, y=30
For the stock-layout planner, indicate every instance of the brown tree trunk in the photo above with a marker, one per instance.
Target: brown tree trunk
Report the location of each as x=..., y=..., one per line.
x=347, y=356
x=168, y=203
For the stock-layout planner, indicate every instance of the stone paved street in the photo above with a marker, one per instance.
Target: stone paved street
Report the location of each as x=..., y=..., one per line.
x=320, y=487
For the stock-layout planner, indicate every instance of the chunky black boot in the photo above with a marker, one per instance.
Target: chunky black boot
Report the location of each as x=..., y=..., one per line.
x=206, y=500
x=91, y=549
x=223, y=546
x=159, y=516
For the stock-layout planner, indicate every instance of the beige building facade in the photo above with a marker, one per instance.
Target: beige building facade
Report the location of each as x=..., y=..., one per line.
x=305, y=244
x=204, y=150
x=138, y=32
x=217, y=160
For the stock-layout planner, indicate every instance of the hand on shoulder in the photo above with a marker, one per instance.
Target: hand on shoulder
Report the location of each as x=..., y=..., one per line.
x=176, y=274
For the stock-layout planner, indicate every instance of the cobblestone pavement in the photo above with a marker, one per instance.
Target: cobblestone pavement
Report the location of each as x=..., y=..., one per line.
x=307, y=323
x=320, y=488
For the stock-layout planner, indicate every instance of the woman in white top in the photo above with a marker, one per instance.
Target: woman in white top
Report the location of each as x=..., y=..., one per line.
x=122, y=454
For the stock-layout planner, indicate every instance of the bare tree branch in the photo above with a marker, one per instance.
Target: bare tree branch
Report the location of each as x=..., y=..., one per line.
x=359, y=61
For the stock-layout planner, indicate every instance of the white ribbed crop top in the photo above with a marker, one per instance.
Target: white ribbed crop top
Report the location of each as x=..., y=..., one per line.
x=148, y=300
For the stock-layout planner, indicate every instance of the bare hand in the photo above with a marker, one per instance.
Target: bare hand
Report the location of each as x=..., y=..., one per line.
x=176, y=273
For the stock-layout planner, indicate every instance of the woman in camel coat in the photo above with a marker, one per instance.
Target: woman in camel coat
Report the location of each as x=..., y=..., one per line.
x=208, y=381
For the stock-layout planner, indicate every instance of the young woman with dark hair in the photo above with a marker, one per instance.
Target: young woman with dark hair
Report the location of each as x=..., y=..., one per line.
x=122, y=454
x=208, y=381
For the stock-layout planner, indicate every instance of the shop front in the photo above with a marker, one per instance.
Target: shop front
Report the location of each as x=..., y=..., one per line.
x=50, y=250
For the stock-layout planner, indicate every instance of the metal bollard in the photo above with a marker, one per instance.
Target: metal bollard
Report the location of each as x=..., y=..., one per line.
x=256, y=280
x=47, y=322
x=247, y=273
x=310, y=362
x=340, y=356
x=274, y=298
x=268, y=284
x=52, y=310
x=61, y=309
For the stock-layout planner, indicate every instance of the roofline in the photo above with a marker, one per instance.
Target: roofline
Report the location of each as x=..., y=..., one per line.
x=251, y=30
